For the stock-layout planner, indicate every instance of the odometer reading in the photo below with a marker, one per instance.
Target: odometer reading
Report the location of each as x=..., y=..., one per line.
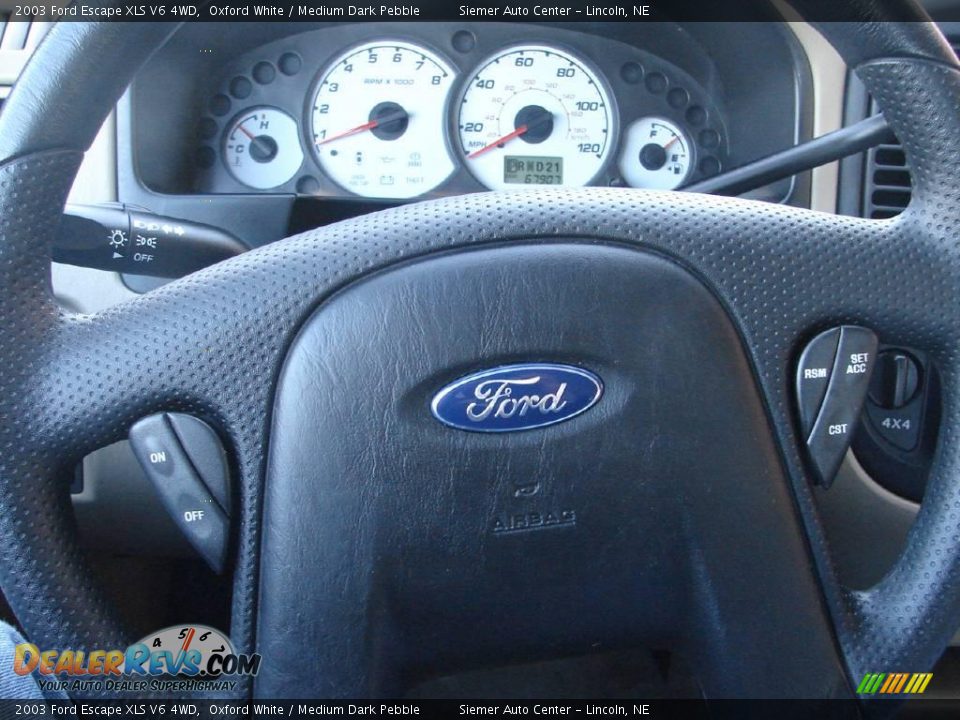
x=378, y=120
x=532, y=170
x=535, y=103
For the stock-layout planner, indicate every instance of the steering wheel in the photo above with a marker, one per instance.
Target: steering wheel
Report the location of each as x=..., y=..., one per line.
x=365, y=550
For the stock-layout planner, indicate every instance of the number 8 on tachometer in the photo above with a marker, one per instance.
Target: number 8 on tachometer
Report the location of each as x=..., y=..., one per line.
x=378, y=118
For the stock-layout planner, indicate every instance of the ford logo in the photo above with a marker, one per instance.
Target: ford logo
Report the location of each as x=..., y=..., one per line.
x=517, y=397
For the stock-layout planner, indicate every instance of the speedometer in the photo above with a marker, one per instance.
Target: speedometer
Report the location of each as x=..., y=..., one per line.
x=378, y=120
x=535, y=115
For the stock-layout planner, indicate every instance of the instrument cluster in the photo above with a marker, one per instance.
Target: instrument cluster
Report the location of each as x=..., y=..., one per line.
x=439, y=109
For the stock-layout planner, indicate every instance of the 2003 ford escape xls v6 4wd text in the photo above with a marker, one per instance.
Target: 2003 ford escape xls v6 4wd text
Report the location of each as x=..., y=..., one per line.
x=480, y=356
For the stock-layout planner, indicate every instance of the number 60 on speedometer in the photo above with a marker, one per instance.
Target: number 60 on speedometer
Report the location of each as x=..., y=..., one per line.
x=535, y=115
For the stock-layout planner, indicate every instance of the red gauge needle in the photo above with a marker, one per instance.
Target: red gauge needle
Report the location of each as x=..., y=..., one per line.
x=499, y=141
x=534, y=119
x=246, y=132
x=352, y=131
x=672, y=141
x=390, y=117
x=186, y=642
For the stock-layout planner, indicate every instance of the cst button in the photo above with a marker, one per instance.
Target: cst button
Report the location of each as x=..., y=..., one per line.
x=849, y=378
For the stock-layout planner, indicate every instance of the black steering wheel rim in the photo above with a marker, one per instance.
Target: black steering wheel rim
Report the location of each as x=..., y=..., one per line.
x=203, y=345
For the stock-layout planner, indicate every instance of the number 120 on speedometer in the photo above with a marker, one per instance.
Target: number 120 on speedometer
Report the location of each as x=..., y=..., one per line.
x=533, y=107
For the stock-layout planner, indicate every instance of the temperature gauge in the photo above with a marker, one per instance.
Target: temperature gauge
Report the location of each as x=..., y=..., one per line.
x=262, y=148
x=656, y=155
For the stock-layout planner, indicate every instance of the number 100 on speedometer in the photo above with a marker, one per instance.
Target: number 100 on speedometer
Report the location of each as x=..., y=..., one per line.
x=535, y=115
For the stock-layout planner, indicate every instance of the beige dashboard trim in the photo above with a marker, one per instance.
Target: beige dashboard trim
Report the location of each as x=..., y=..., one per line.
x=829, y=85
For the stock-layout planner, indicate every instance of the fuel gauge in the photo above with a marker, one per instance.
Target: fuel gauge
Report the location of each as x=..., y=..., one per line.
x=262, y=148
x=656, y=155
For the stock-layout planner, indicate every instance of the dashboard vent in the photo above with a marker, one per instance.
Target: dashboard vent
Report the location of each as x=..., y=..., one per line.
x=887, y=185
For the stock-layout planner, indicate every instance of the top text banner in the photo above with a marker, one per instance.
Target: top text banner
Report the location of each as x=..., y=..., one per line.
x=421, y=10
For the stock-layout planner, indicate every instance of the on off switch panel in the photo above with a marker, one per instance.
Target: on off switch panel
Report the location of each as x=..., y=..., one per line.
x=833, y=377
x=184, y=459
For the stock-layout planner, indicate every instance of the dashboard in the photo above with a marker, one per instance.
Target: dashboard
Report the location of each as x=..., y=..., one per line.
x=381, y=113
x=434, y=110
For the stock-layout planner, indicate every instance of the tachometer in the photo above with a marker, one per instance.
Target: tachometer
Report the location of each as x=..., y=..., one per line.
x=378, y=120
x=535, y=115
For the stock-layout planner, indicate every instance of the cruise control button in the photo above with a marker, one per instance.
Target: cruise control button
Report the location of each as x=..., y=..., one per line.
x=833, y=430
x=813, y=376
x=206, y=454
x=187, y=499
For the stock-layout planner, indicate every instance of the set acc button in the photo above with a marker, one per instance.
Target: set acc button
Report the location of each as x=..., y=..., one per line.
x=859, y=363
x=830, y=406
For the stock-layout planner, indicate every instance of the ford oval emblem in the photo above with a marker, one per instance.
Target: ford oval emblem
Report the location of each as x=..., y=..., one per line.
x=517, y=397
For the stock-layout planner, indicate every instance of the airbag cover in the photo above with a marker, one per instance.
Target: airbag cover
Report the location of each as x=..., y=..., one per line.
x=396, y=547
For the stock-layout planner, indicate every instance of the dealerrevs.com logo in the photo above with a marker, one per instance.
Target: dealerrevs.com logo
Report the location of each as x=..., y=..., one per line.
x=177, y=658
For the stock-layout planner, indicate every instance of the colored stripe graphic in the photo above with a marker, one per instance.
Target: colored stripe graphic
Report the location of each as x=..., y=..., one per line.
x=903, y=679
x=894, y=683
x=915, y=681
x=871, y=683
x=891, y=682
